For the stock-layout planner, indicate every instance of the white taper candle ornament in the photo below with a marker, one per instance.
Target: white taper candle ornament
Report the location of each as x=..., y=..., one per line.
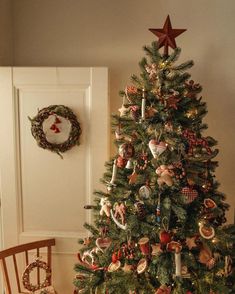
x=143, y=105
x=114, y=174
x=177, y=264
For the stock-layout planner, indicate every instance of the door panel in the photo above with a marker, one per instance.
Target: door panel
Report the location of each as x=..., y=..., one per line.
x=43, y=195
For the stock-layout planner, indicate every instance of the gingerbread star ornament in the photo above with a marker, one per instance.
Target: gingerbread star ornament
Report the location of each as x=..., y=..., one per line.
x=167, y=35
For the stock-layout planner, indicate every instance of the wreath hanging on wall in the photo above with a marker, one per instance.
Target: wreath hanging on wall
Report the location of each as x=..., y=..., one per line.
x=56, y=128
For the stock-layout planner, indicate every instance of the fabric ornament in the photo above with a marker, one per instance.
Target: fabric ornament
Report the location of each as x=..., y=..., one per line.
x=190, y=194
x=157, y=148
x=164, y=175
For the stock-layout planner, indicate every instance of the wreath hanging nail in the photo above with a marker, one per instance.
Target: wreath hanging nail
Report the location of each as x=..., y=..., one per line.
x=56, y=128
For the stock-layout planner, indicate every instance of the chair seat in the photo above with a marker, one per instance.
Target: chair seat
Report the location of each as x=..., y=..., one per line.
x=47, y=290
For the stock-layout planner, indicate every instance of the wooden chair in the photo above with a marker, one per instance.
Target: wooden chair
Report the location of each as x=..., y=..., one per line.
x=12, y=255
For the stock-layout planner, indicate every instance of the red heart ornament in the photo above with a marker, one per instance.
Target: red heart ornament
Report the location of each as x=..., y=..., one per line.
x=190, y=194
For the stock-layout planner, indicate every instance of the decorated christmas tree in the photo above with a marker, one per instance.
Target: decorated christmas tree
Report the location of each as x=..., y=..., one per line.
x=159, y=225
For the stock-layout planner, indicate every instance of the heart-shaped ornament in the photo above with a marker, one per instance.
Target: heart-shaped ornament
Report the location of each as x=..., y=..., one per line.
x=161, y=147
x=190, y=194
x=103, y=243
x=157, y=148
x=153, y=147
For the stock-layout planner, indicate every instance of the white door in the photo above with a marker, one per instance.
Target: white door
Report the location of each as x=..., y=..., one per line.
x=43, y=195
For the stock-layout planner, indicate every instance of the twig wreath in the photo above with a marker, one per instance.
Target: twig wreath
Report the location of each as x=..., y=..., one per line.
x=56, y=128
x=26, y=275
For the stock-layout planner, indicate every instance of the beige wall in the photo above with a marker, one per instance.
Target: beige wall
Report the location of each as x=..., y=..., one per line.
x=111, y=33
x=6, y=47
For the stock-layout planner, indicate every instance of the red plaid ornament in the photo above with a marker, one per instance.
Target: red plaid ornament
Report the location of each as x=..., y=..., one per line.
x=211, y=263
x=131, y=90
x=190, y=194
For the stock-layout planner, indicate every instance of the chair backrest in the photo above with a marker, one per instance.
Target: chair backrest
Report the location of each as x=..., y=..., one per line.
x=24, y=249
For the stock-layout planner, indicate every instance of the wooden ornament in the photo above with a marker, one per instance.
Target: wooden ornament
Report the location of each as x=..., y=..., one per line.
x=123, y=110
x=191, y=242
x=87, y=241
x=172, y=101
x=133, y=177
x=167, y=35
x=151, y=112
x=142, y=266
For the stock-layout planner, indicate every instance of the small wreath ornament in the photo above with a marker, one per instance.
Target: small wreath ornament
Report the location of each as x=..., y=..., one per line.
x=26, y=275
x=56, y=128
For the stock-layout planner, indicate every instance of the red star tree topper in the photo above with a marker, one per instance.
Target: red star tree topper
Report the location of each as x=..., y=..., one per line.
x=167, y=35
